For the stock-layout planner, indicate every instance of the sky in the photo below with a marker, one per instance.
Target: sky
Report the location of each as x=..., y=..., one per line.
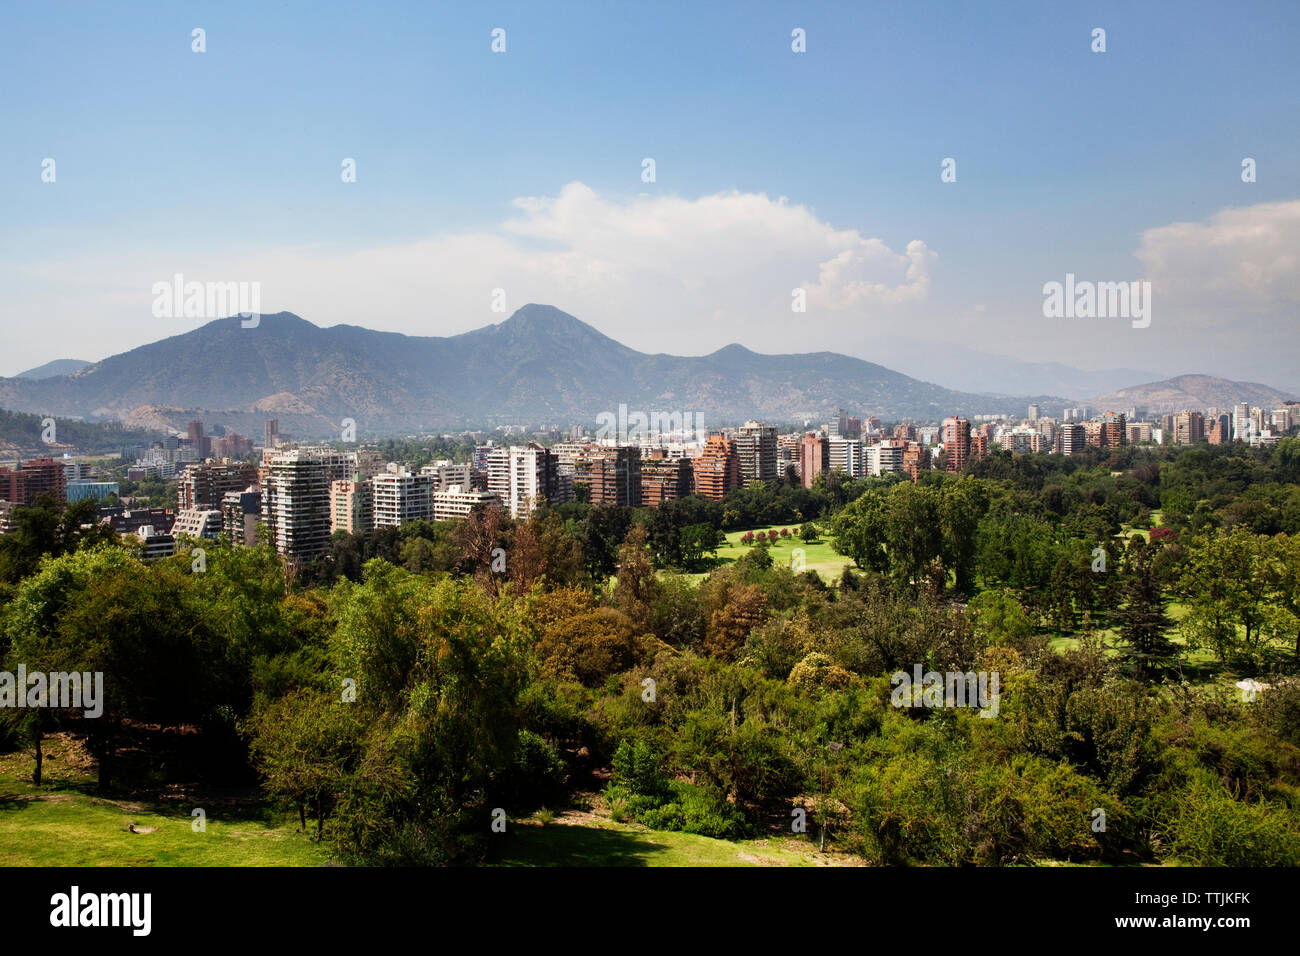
x=486, y=180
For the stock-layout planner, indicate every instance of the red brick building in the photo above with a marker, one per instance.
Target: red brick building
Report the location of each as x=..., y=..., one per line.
x=813, y=458
x=717, y=471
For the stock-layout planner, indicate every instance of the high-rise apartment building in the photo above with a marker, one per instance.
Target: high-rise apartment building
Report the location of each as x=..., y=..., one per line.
x=524, y=478
x=1112, y=431
x=717, y=469
x=813, y=458
x=1241, y=421
x=886, y=457
x=20, y=486
x=401, y=497
x=839, y=425
x=916, y=458
x=1218, y=431
x=756, y=446
x=203, y=485
x=198, y=524
x=665, y=479
x=296, y=502
x=612, y=476
x=447, y=474
x=352, y=505
x=1071, y=439
x=241, y=511
x=955, y=435
x=271, y=433
x=460, y=502
x=1189, y=427
x=202, y=443
x=845, y=455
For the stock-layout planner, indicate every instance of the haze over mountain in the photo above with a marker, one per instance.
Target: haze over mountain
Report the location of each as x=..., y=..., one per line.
x=1197, y=392
x=974, y=370
x=54, y=369
x=539, y=366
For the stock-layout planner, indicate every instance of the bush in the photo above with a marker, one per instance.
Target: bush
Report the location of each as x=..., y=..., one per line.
x=818, y=672
x=1213, y=829
x=696, y=809
x=638, y=769
x=536, y=774
x=1278, y=710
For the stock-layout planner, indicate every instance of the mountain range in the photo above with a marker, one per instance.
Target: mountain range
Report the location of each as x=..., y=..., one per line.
x=540, y=366
x=1197, y=392
x=54, y=369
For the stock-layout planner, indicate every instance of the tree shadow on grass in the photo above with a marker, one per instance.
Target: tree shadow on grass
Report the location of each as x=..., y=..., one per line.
x=563, y=845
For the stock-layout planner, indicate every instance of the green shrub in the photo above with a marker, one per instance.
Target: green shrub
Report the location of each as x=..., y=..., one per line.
x=696, y=809
x=638, y=769
x=1213, y=829
x=535, y=776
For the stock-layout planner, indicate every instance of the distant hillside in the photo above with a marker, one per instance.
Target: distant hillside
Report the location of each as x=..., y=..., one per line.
x=24, y=436
x=976, y=371
x=54, y=369
x=539, y=366
x=1192, y=391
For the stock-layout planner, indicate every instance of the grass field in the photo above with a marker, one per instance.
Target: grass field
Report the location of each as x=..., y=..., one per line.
x=63, y=823
x=585, y=839
x=818, y=556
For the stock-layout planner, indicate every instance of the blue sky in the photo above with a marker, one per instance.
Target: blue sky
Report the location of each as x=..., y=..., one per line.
x=225, y=165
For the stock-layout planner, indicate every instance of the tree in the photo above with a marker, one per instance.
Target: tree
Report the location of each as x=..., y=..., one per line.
x=1225, y=584
x=439, y=668
x=1142, y=619
x=636, y=588
x=913, y=535
x=962, y=504
x=808, y=532
x=744, y=607
x=999, y=619
x=478, y=536
x=1282, y=576
x=306, y=745
x=859, y=532
x=578, y=640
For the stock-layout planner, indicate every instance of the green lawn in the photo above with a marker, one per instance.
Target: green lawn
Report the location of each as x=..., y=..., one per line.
x=602, y=842
x=818, y=556
x=63, y=823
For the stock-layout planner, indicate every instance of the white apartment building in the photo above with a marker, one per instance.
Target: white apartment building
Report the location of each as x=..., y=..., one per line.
x=296, y=499
x=401, y=497
x=846, y=455
x=883, y=458
x=524, y=478
x=197, y=524
x=447, y=475
x=459, y=501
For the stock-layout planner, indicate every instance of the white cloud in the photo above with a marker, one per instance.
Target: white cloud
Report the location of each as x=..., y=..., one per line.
x=1243, y=259
x=658, y=273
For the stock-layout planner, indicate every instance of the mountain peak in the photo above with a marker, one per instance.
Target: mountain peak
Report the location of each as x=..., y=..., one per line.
x=535, y=315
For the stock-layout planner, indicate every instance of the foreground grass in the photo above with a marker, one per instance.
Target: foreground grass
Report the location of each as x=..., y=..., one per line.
x=588, y=840
x=63, y=823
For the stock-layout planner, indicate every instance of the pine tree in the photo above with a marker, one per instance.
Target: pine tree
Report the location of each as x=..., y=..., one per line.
x=1142, y=620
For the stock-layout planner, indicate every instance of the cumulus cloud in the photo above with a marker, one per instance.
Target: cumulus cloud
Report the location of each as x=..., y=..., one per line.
x=1240, y=259
x=660, y=273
